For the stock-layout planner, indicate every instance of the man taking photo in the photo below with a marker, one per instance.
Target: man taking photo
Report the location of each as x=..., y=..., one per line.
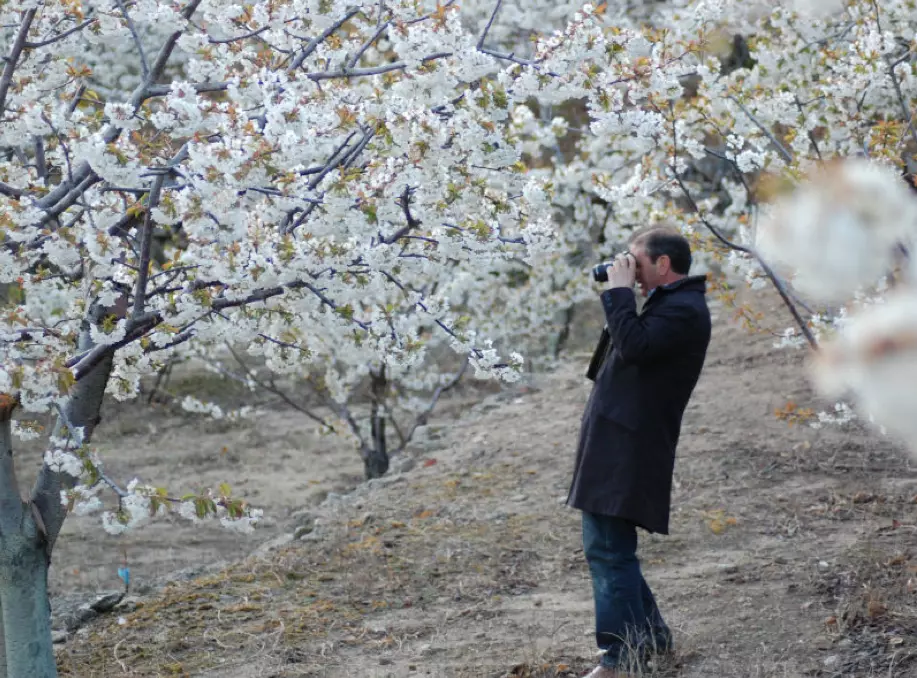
x=645, y=368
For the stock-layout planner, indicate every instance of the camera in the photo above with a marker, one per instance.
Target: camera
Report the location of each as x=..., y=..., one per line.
x=600, y=271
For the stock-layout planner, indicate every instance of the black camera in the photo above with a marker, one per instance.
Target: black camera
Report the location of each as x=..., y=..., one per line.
x=600, y=271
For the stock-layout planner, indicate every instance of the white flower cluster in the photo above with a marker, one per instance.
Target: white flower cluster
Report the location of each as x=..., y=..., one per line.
x=337, y=189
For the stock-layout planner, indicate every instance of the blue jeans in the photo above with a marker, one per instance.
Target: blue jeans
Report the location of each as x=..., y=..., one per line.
x=627, y=620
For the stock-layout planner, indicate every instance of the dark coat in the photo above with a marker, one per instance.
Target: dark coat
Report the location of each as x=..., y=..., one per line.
x=645, y=369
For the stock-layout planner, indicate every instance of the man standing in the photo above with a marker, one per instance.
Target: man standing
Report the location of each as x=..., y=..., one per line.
x=645, y=368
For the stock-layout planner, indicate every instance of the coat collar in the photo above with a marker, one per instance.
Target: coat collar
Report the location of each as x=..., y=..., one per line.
x=693, y=283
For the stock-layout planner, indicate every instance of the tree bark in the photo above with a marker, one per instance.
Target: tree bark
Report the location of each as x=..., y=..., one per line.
x=25, y=612
x=24, y=602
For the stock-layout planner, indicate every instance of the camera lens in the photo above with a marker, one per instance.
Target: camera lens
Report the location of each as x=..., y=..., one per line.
x=600, y=273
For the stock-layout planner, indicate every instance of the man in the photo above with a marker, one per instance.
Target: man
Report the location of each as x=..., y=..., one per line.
x=645, y=369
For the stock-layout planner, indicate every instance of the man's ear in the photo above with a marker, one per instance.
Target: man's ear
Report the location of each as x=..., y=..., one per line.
x=663, y=264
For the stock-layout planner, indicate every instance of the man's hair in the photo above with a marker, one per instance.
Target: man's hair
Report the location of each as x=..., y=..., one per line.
x=659, y=240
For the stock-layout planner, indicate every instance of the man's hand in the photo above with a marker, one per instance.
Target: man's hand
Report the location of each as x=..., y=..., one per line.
x=623, y=272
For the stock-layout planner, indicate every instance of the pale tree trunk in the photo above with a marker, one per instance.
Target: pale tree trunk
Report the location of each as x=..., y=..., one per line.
x=28, y=529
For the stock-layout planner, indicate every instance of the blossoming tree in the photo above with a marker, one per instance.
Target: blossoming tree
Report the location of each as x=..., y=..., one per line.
x=289, y=175
x=337, y=184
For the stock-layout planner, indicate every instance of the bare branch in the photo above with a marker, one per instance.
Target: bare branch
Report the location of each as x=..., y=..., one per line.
x=59, y=37
x=811, y=136
x=273, y=388
x=70, y=198
x=28, y=334
x=437, y=394
x=13, y=58
x=261, y=295
x=144, y=66
x=490, y=23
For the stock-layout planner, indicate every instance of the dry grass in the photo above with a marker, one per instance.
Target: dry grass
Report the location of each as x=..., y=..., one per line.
x=304, y=598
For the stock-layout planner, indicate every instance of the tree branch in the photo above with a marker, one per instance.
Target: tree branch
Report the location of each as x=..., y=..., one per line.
x=778, y=284
x=144, y=66
x=11, y=192
x=809, y=132
x=82, y=364
x=780, y=147
x=273, y=388
x=318, y=40
x=146, y=241
x=252, y=34
x=352, y=62
x=423, y=416
x=12, y=59
x=60, y=36
x=375, y=70
x=200, y=87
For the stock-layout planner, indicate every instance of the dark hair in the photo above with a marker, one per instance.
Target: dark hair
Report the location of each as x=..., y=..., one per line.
x=659, y=240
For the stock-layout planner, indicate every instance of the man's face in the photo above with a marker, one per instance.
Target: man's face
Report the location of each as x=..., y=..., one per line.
x=648, y=274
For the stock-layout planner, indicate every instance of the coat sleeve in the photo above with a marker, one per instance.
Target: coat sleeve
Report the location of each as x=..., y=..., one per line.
x=656, y=334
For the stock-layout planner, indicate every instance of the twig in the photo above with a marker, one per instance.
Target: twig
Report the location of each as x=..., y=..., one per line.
x=809, y=132
x=82, y=364
x=272, y=388
x=252, y=34
x=352, y=62
x=780, y=147
x=437, y=394
x=319, y=39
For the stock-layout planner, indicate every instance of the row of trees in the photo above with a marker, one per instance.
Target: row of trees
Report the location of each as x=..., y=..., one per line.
x=345, y=190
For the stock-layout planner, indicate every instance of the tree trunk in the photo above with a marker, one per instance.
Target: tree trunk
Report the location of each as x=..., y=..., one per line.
x=24, y=602
x=375, y=455
x=29, y=527
x=375, y=462
x=25, y=611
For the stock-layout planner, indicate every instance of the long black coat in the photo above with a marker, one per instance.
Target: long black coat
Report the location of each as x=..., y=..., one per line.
x=645, y=368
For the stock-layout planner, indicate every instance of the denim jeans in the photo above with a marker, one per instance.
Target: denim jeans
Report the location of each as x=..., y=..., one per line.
x=628, y=624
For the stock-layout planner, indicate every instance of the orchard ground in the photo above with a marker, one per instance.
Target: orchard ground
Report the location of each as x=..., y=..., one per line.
x=793, y=551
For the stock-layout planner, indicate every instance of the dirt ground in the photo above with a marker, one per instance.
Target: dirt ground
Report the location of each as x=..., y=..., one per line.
x=793, y=551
